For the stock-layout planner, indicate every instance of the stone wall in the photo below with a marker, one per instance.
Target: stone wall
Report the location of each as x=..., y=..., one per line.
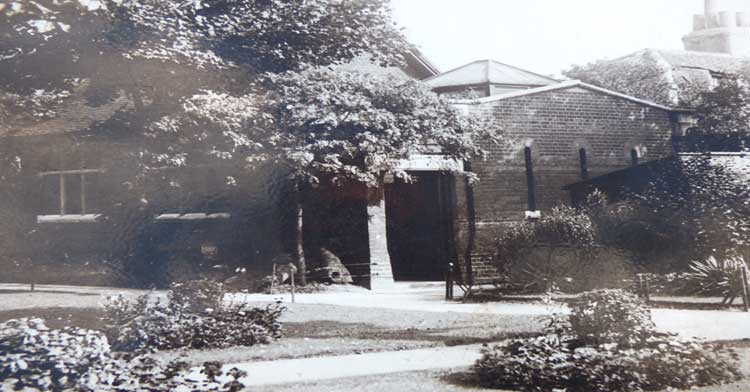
x=555, y=125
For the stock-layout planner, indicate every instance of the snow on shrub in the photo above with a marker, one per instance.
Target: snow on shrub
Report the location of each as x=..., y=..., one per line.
x=584, y=355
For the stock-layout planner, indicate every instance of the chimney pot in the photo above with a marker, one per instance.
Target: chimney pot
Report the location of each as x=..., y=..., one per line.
x=712, y=13
x=699, y=22
x=743, y=19
x=727, y=19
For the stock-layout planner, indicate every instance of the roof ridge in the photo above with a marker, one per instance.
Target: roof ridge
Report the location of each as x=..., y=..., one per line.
x=524, y=70
x=453, y=70
x=561, y=86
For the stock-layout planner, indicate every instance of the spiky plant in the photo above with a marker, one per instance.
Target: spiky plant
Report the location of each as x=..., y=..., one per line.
x=717, y=277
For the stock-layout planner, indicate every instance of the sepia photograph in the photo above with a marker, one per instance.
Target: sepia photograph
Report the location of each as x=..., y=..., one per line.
x=374, y=195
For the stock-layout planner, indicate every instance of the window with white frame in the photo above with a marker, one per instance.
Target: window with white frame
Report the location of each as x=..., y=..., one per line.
x=69, y=196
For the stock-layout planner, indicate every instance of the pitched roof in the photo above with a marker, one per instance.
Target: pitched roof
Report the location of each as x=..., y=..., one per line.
x=74, y=115
x=563, y=86
x=488, y=72
x=712, y=62
x=417, y=66
x=428, y=68
x=671, y=76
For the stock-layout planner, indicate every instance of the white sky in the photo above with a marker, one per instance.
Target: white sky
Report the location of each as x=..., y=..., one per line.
x=545, y=36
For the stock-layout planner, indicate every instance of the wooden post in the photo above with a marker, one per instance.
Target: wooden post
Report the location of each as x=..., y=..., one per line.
x=292, y=277
x=83, y=194
x=745, y=288
x=273, y=278
x=449, y=282
x=453, y=279
x=643, y=288
x=640, y=286
x=299, y=238
x=63, y=201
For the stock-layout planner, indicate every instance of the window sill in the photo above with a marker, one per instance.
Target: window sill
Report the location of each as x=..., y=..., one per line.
x=533, y=215
x=68, y=218
x=192, y=217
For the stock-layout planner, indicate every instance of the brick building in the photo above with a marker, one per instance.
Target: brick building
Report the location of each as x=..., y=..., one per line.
x=561, y=132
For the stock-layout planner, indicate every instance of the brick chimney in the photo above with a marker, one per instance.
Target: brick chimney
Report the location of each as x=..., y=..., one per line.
x=721, y=29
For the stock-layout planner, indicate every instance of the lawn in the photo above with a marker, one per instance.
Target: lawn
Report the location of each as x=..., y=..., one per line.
x=323, y=330
x=452, y=380
x=312, y=330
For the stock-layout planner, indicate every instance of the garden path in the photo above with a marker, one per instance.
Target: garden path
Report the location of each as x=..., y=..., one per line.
x=326, y=368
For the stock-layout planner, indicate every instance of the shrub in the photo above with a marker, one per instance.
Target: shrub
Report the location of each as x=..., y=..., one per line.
x=157, y=326
x=534, y=253
x=610, y=316
x=34, y=357
x=585, y=355
x=197, y=296
x=714, y=277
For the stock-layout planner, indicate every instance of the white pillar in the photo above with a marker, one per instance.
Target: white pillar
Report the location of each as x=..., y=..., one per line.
x=381, y=273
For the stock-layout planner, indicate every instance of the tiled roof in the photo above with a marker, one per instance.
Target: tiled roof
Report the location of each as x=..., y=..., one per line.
x=488, y=72
x=713, y=62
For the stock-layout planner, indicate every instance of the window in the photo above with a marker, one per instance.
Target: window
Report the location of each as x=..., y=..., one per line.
x=584, y=164
x=69, y=196
x=197, y=193
x=634, y=157
x=531, y=191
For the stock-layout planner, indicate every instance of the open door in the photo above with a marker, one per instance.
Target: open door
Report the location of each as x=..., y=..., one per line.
x=420, y=226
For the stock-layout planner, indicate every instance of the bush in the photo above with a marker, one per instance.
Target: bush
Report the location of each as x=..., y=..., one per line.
x=144, y=325
x=35, y=357
x=527, y=251
x=610, y=316
x=584, y=355
x=197, y=296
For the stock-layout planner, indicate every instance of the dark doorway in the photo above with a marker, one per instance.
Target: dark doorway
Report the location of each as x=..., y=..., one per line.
x=420, y=226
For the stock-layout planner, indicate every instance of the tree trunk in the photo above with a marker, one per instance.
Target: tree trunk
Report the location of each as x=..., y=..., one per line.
x=299, y=238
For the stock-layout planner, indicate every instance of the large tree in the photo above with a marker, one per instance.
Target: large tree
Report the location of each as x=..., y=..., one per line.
x=233, y=83
x=160, y=52
x=723, y=118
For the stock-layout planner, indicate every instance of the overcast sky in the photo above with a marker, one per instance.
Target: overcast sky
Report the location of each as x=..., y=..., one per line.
x=545, y=36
